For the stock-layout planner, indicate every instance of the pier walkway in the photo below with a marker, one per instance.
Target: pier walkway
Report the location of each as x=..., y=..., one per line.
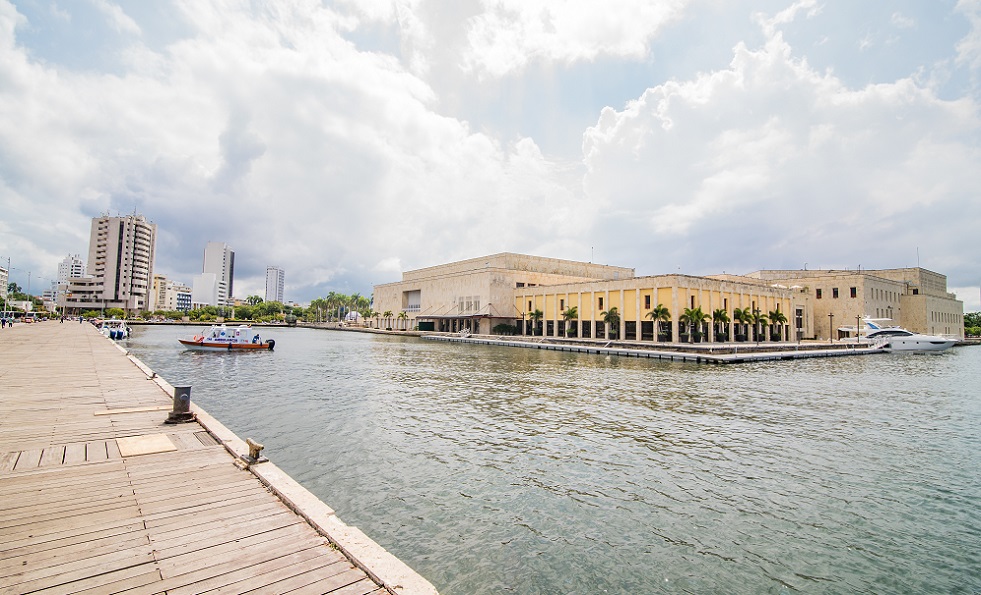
x=709, y=353
x=98, y=495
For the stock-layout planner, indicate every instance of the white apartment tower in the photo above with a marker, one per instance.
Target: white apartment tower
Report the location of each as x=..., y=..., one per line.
x=213, y=286
x=72, y=266
x=120, y=266
x=275, y=284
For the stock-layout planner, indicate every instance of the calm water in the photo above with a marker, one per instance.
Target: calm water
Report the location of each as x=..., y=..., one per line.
x=497, y=470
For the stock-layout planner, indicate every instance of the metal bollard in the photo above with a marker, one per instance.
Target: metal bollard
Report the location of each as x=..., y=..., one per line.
x=255, y=452
x=182, y=406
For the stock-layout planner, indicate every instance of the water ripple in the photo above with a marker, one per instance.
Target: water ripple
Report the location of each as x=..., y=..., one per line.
x=497, y=470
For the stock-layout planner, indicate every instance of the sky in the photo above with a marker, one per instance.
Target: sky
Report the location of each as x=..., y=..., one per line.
x=349, y=141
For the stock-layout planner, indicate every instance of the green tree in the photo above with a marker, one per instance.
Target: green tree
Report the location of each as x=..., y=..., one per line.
x=972, y=319
x=693, y=317
x=387, y=315
x=612, y=319
x=758, y=320
x=742, y=316
x=659, y=315
x=535, y=316
x=720, y=318
x=570, y=315
x=403, y=317
x=777, y=319
x=253, y=300
x=115, y=313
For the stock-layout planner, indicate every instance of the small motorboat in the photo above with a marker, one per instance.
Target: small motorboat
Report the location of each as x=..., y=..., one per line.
x=114, y=329
x=224, y=338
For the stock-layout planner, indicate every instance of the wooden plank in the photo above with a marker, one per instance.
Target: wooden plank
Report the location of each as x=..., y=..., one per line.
x=134, y=410
x=64, y=538
x=29, y=459
x=241, y=579
x=365, y=586
x=74, y=453
x=96, y=451
x=7, y=461
x=319, y=580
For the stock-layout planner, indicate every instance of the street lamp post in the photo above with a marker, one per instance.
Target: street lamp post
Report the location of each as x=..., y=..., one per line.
x=831, y=329
x=858, y=329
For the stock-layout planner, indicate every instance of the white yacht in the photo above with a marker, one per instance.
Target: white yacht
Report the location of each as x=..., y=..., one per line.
x=894, y=338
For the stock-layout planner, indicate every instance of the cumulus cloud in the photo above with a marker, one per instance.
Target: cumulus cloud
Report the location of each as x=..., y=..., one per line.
x=770, y=162
x=269, y=131
x=508, y=34
x=118, y=19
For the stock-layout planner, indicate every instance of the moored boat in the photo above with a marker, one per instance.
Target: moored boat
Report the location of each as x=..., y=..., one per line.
x=223, y=338
x=894, y=338
x=114, y=329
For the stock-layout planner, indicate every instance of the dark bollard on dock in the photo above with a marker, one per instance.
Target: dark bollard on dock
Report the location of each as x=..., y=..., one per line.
x=182, y=406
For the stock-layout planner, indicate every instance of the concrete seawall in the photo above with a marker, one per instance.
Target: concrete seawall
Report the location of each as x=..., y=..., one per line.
x=98, y=493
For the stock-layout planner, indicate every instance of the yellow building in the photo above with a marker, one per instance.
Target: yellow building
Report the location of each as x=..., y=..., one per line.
x=480, y=294
x=636, y=298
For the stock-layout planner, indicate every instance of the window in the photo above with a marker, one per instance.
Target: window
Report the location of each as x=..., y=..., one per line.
x=562, y=305
x=519, y=284
x=692, y=302
x=916, y=292
x=647, y=302
x=853, y=292
x=834, y=293
x=601, y=303
x=529, y=305
x=818, y=294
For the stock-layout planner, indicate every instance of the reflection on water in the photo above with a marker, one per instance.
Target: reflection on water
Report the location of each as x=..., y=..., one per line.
x=500, y=470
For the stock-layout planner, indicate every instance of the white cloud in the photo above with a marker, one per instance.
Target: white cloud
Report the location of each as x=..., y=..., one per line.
x=118, y=19
x=508, y=34
x=969, y=48
x=773, y=163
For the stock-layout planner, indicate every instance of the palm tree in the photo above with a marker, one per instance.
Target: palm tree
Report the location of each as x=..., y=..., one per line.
x=757, y=319
x=612, y=319
x=570, y=315
x=694, y=317
x=777, y=318
x=403, y=317
x=720, y=318
x=388, y=318
x=658, y=315
x=535, y=317
x=742, y=316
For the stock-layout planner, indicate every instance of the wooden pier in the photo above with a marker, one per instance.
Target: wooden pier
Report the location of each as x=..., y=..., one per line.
x=98, y=495
x=719, y=353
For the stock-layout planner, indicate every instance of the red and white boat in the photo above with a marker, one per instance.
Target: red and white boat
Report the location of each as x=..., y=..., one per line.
x=223, y=338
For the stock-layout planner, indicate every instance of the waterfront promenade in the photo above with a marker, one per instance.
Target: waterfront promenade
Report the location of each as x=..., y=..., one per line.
x=98, y=495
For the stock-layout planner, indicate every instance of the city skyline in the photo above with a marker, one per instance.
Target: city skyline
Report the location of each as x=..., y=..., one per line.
x=352, y=141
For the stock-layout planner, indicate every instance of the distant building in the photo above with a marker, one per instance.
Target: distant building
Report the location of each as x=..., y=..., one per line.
x=536, y=296
x=169, y=295
x=219, y=260
x=913, y=298
x=120, y=266
x=71, y=266
x=275, y=284
x=4, y=281
x=204, y=290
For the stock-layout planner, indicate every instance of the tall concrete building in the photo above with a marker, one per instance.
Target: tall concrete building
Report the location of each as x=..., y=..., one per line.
x=120, y=266
x=275, y=284
x=214, y=286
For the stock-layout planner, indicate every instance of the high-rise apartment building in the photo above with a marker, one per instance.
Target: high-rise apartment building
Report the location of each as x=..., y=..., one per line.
x=120, y=266
x=214, y=286
x=72, y=266
x=275, y=284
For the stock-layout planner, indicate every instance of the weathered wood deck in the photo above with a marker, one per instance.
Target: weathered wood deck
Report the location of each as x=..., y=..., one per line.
x=82, y=511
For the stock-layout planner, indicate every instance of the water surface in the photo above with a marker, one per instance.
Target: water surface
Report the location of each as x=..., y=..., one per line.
x=504, y=470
